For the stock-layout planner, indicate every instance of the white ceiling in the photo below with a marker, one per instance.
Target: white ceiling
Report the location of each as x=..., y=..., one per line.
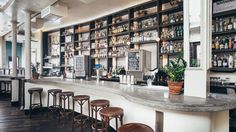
x=78, y=11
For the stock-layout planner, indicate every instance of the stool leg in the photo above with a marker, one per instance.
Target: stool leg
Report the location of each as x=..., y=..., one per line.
x=41, y=105
x=96, y=119
x=73, y=115
x=81, y=119
x=30, y=104
x=48, y=105
x=116, y=123
x=121, y=120
x=89, y=108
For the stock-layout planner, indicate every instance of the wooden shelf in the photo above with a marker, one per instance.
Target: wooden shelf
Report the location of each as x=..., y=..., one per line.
x=95, y=29
x=222, y=69
x=145, y=42
x=145, y=29
x=145, y=16
x=172, y=10
x=173, y=39
x=171, y=24
x=225, y=13
x=224, y=32
x=119, y=23
x=170, y=54
x=120, y=45
x=81, y=41
x=101, y=48
x=224, y=51
x=100, y=38
x=119, y=34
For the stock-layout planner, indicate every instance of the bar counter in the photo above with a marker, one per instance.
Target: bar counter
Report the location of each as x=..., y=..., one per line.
x=143, y=104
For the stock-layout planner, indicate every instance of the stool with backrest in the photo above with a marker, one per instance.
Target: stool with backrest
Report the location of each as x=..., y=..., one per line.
x=65, y=112
x=32, y=91
x=54, y=108
x=81, y=119
x=135, y=127
x=96, y=106
x=110, y=113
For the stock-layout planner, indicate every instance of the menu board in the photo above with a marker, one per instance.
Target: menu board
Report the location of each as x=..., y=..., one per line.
x=133, y=61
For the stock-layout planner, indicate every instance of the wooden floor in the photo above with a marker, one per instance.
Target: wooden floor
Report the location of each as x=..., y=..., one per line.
x=14, y=120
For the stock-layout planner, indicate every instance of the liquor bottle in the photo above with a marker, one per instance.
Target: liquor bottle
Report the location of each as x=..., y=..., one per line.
x=234, y=24
x=213, y=46
x=225, y=25
x=217, y=44
x=230, y=43
x=215, y=61
x=219, y=62
x=230, y=24
x=221, y=25
x=226, y=43
x=231, y=61
x=217, y=25
x=171, y=47
x=234, y=46
x=222, y=44
x=225, y=62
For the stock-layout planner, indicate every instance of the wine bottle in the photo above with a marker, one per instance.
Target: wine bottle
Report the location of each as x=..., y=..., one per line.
x=220, y=25
x=231, y=61
x=230, y=24
x=217, y=25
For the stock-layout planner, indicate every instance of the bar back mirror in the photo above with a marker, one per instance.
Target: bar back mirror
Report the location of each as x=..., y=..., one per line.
x=195, y=54
x=194, y=48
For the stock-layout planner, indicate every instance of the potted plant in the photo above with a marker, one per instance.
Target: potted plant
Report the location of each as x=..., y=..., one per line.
x=35, y=68
x=175, y=71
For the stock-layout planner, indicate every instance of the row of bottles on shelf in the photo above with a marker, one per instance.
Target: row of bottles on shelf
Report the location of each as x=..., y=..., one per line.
x=143, y=12
x=147, y=23
x=119, y=19
x=117, y=52
x=67, y=32
x=84, y=37
x=172, y=18
x=99, y=34
x=118, y=29
x=100, y=24
x=171, y=47
x=119, y=40
x=144, y=36
x=224, y=24
x=224, y=42
x=99, y=54
x=54, y=39
x=99, y=44
x=83, y=46
x=172, y=32
x=224, y=61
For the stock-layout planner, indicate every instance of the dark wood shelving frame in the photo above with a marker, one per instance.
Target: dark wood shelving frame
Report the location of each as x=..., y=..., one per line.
x=108, y=18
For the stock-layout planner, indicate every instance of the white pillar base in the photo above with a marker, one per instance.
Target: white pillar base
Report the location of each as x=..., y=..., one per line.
x=15, y=91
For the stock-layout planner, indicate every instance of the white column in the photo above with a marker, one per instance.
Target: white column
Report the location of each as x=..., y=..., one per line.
x=197, y=28
x=14, y=46
x=1, y=53
x=27, y=44
x=41, y=52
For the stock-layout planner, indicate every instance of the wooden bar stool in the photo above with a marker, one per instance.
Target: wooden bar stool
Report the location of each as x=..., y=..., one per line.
x=80, y=119
x=54, y=107
x=63, y=111
x=110, y=113
x=35, y=105
x=96, y=106
x=135, y=127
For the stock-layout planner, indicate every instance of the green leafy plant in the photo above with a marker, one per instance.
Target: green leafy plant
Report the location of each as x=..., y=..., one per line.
x=35, y=68
x=175, y=69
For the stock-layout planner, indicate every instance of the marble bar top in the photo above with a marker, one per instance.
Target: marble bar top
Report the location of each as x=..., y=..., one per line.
x=154, y=97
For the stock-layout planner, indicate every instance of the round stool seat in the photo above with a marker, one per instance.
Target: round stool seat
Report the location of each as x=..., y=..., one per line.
x=81, y=97
x=111, y=111
x=54, y=91
x=100, y=102
x=135, y=127
x=67, y=93
x=31, y=90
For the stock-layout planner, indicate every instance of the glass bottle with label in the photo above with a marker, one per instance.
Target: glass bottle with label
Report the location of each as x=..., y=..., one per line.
x=230, y=24
x=234, y=23
x=217, y=25
x=231, y=61
x=217, y=44
x=219, y=62
x=215, y=61
x=226, y=43
x=222, y=44
x=234, y=46
x=221, y=25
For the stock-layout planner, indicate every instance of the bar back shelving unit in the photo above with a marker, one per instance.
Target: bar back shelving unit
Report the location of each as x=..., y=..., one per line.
x=107, y=39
